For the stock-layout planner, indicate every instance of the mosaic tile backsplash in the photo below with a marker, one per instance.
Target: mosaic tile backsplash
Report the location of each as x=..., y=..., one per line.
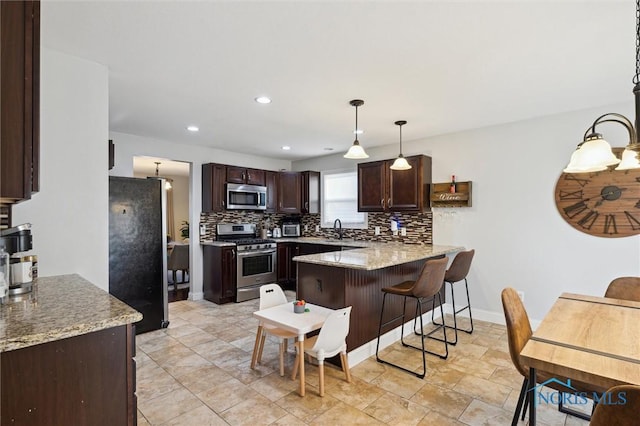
x=419, y=226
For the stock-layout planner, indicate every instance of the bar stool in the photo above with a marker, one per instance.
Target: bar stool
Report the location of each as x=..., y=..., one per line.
x=426, y=287
x=457, y=272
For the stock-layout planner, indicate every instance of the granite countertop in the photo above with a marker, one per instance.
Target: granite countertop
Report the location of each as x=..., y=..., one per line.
x=59, y=307
x=218, y=243
x=377, y=255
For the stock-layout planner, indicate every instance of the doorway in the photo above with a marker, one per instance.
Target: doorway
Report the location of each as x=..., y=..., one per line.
x=177, y=178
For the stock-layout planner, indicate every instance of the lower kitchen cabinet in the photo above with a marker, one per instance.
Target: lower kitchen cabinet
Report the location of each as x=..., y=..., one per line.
x=219, y=274
x=286, y=268
x=89, y=379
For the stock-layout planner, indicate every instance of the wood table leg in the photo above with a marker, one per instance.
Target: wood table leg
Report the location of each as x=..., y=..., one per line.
x=255, y=347
x=301, y=365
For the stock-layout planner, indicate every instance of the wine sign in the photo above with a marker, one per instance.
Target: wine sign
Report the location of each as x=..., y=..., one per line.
x=441, y=195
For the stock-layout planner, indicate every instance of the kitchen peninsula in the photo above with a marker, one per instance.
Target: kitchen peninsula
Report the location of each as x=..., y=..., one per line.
x=355, y=277
x=66, y=355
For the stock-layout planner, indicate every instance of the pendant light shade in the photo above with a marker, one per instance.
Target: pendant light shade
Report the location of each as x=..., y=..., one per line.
x=401, y=162
x=629, y=160
x=356, y=151
x=593, y=155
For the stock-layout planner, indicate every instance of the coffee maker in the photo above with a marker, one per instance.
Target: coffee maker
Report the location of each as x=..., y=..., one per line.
x=16, y=240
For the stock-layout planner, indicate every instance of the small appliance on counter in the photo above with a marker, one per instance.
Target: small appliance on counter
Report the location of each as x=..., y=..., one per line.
x=15, y=240
x=291, y=226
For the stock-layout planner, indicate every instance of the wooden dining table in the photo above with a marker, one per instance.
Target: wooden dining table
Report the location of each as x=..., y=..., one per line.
x=595, y=340
x=283, y=316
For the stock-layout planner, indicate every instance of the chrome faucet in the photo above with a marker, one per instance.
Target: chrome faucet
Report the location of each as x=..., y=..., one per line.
x=337, y=226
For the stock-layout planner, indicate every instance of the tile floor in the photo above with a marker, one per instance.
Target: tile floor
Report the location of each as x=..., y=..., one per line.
x=197, y=372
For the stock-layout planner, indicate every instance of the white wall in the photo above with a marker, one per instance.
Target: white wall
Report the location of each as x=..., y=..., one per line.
x=128, y=146
x=520, y=238
x=70, y=213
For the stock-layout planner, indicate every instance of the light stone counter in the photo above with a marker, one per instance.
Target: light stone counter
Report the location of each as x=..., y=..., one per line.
x=60, y=307
x=218, y=243
x=377, y=255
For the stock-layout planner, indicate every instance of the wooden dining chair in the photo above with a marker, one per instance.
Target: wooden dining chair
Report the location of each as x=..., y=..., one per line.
x=271, y=295
x=329, y=342
x=627, y=288
x=621, y=407
x=518, y=333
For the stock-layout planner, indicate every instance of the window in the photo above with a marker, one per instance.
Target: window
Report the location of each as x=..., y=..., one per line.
x=340, y=199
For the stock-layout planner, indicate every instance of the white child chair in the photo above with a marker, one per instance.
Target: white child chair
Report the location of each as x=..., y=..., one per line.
x=329, y=342
x=271, y=295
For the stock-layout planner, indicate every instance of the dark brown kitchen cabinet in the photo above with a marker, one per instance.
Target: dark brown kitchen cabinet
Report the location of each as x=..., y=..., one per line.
x=286, y=269
x=87, y=379
x=310, y=192
x=19, y=99
x=219, y=274
x=244, y=175
x=213, y=187
x=382, y=189
x=271, y=182
x=289, y=192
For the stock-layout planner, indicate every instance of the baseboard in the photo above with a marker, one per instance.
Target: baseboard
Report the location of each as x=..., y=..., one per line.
x=196, y=296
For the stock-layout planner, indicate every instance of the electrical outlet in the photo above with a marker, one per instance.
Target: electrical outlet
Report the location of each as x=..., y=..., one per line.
x=376, y=230
x=317, y=228
x=403, y=232
x=203, y=229
x=306, y=228
x=521, y=296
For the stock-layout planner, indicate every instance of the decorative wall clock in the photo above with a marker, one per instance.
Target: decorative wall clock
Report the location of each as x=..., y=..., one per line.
x=604, y=204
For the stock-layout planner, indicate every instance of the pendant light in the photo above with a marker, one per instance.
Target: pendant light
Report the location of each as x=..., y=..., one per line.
x=401, y=162
x=594, y=153
x=167, y=181
x=356, y=152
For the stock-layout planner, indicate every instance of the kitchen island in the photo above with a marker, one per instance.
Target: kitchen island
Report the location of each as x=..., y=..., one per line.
x=355, y=278
x=66, y=355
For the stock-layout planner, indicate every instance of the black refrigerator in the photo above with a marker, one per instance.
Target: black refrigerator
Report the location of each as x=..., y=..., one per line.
x=138, y=248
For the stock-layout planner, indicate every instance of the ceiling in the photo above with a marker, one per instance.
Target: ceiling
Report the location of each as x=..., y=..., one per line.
x=444, y=66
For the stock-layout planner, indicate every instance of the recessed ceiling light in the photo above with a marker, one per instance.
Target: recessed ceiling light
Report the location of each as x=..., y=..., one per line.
x=263, y=100
x=358, y=131
x=193, y=128
x=286, y=148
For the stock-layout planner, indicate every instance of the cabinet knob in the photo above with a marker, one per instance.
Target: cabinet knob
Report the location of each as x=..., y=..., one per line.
x=389, y=203
x=222, y=202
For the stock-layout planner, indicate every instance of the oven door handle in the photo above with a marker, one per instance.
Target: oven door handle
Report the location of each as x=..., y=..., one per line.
x=252, y=253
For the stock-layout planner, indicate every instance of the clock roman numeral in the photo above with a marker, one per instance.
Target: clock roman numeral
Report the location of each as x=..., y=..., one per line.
x=575, y=209
x=571, y=195
x=635, y=223
x=610, y=224
x=581, y=182
x=587, y=221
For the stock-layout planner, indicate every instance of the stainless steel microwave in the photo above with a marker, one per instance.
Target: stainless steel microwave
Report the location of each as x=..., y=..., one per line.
x=246, y=197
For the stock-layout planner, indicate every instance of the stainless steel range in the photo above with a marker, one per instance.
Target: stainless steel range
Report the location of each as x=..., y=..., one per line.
x=256, y=260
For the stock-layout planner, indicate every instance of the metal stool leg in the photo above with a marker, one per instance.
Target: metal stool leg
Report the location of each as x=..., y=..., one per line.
x=456, y=312
x=429, y=334
x=402, y=317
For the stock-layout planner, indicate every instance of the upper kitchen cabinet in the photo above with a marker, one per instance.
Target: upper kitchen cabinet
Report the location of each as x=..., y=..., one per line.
x=310, y=192
x=213, y=189
x=19, y=99
x=271, y=182
x=382, y=189
x=244, y=175
x=289, y=192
